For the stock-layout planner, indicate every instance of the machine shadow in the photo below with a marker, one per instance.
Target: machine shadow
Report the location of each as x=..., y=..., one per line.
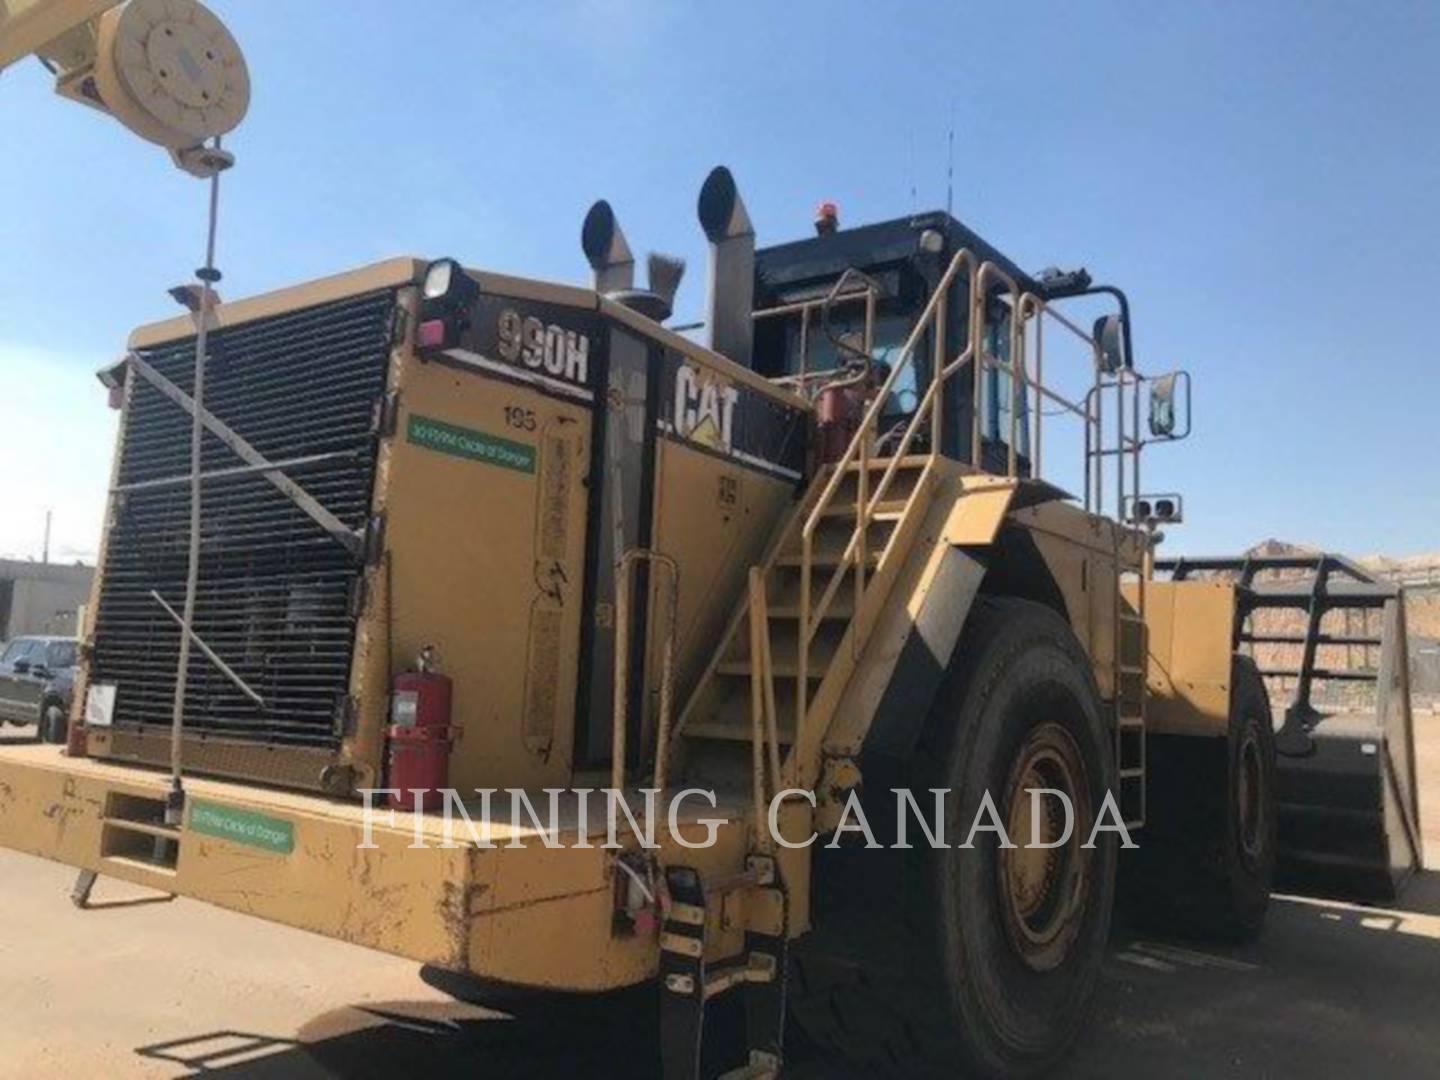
x=1165, y=1009
x=513, y=1035
x=1358, y=980
x=1421, y=895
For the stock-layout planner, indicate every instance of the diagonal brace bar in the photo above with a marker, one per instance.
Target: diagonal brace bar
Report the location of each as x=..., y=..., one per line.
x=238, y=470
x=225, y=669
x=348, y=538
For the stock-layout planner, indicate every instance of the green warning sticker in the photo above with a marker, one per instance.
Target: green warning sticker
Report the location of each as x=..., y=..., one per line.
x=469, y=443
x=242, y=826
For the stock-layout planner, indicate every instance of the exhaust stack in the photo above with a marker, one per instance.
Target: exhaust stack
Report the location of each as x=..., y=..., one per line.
x=605, y=248
x=614, y=266
x=730, y=293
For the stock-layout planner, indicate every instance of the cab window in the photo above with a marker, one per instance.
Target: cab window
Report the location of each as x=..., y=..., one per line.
x=996, y=416
x=887, y=342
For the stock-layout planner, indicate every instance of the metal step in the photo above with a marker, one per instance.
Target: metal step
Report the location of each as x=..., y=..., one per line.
x=900, y=488
x=784, y=649
x=889, y=510
x=834, y=536
x=841, y=608
x=731, y=721
x=879, y=464
x=1130, y=668
x=730, y=683
x=689, y=981
x=827, y=558
x=785, y=595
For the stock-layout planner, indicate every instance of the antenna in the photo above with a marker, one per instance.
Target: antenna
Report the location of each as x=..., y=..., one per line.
x=914, y=199
x=950, y=166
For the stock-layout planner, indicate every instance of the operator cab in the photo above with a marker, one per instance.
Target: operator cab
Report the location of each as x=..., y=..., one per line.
x=904, y=259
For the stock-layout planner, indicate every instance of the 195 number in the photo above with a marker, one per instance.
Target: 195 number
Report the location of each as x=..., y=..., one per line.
x=522, y=419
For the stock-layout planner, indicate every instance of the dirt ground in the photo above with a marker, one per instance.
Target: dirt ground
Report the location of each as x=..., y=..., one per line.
x=140, y=987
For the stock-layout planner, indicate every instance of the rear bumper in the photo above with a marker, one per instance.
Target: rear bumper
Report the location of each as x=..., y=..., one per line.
x=530, y=915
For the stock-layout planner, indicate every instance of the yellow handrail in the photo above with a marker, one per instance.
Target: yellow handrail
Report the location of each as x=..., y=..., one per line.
x=621, y=701
x=858, y=453
x=982, y=278
x=804, y=307
x=872, y=414
x=764, y=731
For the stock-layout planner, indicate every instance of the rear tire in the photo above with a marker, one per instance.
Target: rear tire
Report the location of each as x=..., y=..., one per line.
x=945, y=962
x=1206, y=860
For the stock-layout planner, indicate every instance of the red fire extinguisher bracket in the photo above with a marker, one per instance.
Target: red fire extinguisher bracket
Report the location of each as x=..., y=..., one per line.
x=420, y=699
x=419, y=760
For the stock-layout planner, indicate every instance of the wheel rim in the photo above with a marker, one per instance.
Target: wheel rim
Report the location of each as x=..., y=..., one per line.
x=1250, y=804
x=1043, y=890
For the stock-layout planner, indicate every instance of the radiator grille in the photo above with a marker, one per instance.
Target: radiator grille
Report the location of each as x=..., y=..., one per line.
x=274, y=598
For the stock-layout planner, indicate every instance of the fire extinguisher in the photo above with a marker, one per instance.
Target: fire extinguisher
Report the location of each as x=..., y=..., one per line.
x=420, y=735
x=838, y=409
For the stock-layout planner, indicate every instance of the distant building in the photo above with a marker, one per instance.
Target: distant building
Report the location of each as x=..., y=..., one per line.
x=41, y=598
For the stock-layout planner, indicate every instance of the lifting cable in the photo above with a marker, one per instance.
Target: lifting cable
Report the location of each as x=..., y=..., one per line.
x=208, y=276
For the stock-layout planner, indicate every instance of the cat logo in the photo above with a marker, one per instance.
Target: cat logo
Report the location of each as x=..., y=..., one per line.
x=704, y=408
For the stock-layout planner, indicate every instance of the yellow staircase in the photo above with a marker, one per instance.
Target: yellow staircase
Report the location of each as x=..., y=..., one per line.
x=793, y=640
x=811, y=595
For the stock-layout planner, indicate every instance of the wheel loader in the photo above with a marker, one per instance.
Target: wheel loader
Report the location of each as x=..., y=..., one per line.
x=810, y=601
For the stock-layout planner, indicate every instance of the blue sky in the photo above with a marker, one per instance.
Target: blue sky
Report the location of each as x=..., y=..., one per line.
x=1264, y=180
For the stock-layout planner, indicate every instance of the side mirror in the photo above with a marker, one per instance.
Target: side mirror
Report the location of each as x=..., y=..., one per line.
x=1109, y=334
x=1166, y=403
x=1162, y=406
x=39, y=671
x=21, y=667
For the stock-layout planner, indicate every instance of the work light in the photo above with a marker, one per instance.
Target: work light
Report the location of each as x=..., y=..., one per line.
x=446, y=292
x=439, y=276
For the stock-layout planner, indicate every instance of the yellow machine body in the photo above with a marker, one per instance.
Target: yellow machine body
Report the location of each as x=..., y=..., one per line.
x=485, y=545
